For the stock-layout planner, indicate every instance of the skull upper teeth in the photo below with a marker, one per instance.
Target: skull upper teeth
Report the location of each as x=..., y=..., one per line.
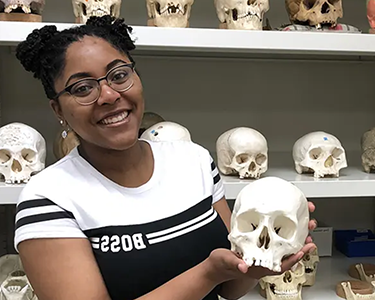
x=26, y=9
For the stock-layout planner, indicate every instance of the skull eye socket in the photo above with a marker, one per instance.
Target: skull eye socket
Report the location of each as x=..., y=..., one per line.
x=242, y=158
x=83, y=8
x=5, y=156
x=309, y=4
x=28, y=155
x=284, y=227
x=248, y=221
x=260, y=159
x=315, y=153
x=337, y=152
x=251, y=2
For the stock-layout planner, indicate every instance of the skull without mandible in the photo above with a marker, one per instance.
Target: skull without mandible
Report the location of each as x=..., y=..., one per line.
x=242, y=151
x=27, y=6
x=242, y=14
x=314, y=12
x=285, y=286
x=310, y=262
x=319, y=152
x=22, y=152
x=166, y=131
x=169, y=13
x=269, y=221
x=84, y=9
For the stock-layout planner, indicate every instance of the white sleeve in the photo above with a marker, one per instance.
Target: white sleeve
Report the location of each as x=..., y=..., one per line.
x=218, y=187
x=39, y=217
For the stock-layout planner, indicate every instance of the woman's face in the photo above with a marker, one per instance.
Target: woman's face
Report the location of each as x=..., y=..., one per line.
x=102, y=123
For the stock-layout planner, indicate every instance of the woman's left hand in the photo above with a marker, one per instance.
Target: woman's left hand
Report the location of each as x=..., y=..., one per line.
x=289, y=262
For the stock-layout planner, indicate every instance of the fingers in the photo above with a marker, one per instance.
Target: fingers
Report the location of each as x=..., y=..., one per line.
x=313, y=224
x=311, y=206
x=293, y=259
x=308, y=240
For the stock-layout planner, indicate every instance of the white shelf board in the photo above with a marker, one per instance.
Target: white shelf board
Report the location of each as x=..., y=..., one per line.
x=196, y=41
x=353, y=182
x=9, y=193
x=331, y=270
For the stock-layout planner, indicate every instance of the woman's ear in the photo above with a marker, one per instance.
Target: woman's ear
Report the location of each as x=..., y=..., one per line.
x=55, y=105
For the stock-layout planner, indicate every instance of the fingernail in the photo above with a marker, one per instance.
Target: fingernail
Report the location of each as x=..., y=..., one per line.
x=300, y=255
x=312, y=249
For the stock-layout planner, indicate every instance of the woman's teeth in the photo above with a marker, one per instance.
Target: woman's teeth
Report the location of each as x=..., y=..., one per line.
x=115, y=119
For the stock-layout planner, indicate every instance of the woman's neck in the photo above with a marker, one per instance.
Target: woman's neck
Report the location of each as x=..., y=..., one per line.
x=129, y=168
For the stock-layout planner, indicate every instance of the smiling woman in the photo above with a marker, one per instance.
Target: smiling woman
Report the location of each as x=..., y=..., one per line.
x=111, y=220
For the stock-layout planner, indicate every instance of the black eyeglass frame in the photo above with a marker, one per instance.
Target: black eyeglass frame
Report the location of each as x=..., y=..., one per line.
x=69, y=87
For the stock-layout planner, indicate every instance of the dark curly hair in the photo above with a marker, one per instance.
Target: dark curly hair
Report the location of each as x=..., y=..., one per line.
x=43, y=51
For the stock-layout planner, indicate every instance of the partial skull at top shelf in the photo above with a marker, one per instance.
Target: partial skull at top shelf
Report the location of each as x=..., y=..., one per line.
x=241, y=14
x=22, y=152
x=84, y=9
x=316, y=13
x=21, y=10
x=169, y=13
x=368, y=150
x=243, y=152
x=320, y=153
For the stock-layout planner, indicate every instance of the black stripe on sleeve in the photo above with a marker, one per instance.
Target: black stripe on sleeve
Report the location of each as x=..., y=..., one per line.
x=34, y=203
x=213, y=166
x=44, y=217
x=217, y=178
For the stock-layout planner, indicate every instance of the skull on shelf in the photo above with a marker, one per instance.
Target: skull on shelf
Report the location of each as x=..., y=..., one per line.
x=24, y=6
x=14, y=283
x=319, y=152
x=166, y=131
x=149, y=119
x=22, y=152
x=242, y=151
x=287, y=285
x=314, y=12
x=169, y=13
x=310, y=261
x=269, y=221
x=84, y=9
x=368, y=150
x=241, y=14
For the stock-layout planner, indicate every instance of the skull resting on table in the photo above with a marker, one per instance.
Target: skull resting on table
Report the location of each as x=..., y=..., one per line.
x=167, y=13
x=166, y=131
x=84, y=9
x=316, y=13
x=22, y=152
x=242, y=14
x=23, y=6
x=269, y=221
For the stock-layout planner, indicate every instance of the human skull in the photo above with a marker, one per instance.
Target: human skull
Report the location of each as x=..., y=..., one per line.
x=319, y=152
x=14, y=285
x=368, y=150
x=314, y=12
x=22, y=152
x=269, y=221
x=285, y=286
x=149, y=119
x=169, y=13
x=26, y=6
x=242, y=151
x=84, y=9
x=242, y=14
x=166, y=131
x=310, y=262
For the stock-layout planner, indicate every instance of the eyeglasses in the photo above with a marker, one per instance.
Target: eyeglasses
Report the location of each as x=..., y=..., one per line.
x=87, y=91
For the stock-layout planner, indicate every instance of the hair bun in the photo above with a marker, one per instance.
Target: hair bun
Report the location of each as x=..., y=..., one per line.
x=29, y=51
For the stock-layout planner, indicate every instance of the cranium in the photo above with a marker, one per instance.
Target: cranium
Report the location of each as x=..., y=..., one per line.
x=22, y=152
x=25, y=6
x=242, y=151
x=269, y=221
x=285, y=286
x=166, y=131
x=242, y=14
x=368, y=150
x=84, y=9
x=169, y=13
x=319, y=152
x=149, y=119
x=314, y=12
x=310, y=262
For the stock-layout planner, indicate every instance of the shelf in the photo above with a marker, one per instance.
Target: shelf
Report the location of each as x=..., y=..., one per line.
x=9, y=193
x=214, y=42
x=331, y=270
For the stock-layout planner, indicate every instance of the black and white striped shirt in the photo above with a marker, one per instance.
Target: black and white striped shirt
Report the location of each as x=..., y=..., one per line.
x=141, y=237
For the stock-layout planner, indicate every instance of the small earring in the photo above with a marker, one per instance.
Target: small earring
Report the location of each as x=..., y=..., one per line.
x=64, y=133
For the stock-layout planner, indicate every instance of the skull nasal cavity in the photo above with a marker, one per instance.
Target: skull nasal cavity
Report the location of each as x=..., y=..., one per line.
x=252, y=166
x=251, y=2
x=325, y=8
x=287, y=277
x=16, y=166
x=264, y=239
